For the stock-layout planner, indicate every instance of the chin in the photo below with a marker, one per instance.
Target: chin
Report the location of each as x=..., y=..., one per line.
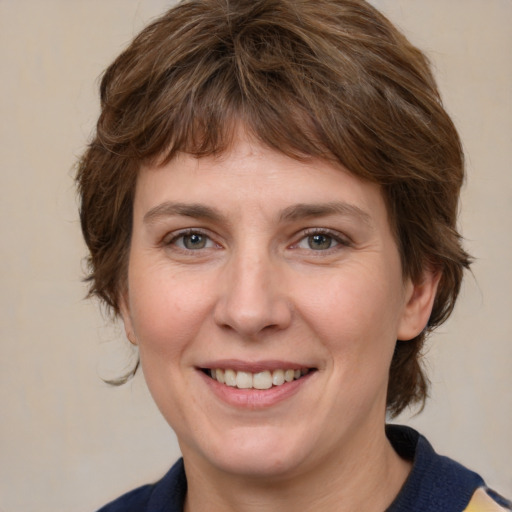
x=260, y=465
x=256, y=453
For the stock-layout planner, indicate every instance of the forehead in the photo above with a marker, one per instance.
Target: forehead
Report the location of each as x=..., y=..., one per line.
x=250, y=173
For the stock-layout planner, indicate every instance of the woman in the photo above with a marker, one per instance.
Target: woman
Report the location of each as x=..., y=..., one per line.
x=270, y=205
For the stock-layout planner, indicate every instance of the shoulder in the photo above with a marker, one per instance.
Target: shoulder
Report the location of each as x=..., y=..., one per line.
x=437, y=482
x=485, y=500
x=133, y=501
x=166, y=495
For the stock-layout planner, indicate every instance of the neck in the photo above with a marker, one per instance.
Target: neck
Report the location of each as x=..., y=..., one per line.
x=367, y=478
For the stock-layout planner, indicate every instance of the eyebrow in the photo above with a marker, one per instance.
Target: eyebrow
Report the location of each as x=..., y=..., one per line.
x=291, y=213
x=170, y=209
x=304, y=211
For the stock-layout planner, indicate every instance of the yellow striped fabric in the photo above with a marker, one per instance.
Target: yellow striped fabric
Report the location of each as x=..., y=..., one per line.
x=482, y=502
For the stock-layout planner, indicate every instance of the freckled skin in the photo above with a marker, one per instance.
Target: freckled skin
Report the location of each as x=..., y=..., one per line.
x=259, y=287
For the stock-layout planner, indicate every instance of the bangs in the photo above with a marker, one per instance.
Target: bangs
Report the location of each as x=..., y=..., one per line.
x=200, y=112
x=209, y=124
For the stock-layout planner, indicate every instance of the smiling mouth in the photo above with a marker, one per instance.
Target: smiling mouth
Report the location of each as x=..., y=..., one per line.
x=261, y=380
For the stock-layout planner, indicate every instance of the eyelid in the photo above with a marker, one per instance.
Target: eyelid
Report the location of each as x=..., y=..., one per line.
x=170, y=238
x=341, y=239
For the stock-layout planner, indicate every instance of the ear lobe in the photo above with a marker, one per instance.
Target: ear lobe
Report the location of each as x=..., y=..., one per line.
x=124, y=310
x=418, y=306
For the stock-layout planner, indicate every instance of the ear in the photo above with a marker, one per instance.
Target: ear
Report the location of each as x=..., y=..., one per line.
x=419, y=301
x=124, y=311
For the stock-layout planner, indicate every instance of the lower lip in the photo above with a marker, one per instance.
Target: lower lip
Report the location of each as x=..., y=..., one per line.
x=255, y=398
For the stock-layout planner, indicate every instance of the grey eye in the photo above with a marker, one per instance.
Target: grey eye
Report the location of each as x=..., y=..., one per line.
x=194, y=241
x=320, y=242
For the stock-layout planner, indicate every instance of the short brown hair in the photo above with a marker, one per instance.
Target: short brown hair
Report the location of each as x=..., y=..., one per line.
x=332, y=79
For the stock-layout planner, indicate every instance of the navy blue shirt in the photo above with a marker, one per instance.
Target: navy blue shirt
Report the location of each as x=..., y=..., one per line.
x=435, y=484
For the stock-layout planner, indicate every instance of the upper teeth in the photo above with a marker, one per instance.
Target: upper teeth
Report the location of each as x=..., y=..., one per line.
x=261, y=380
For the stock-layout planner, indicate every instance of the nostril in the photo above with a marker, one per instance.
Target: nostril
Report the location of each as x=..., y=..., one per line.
x=251, y=308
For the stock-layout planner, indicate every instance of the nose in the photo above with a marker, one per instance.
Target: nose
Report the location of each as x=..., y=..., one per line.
x=252, y=297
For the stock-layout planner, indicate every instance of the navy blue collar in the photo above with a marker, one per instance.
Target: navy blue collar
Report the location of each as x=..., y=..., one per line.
x=436, y=483
x=169, y=493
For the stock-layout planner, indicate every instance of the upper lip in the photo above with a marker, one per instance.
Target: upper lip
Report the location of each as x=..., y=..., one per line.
x=254, y=366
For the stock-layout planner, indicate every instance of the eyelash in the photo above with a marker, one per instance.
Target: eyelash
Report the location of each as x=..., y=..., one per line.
x=187, y=232
x=339, y=240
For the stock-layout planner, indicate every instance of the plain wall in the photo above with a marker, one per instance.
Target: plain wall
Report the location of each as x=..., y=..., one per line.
x=69, y=442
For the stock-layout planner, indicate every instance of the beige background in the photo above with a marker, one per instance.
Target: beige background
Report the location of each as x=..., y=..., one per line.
x=68, y=441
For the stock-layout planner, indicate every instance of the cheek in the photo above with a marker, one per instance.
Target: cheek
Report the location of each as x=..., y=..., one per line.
x=355, y=313
x=167, y=311
x=167, y=314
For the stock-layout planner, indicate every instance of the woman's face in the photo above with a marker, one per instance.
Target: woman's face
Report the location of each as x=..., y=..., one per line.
x=268, y=273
